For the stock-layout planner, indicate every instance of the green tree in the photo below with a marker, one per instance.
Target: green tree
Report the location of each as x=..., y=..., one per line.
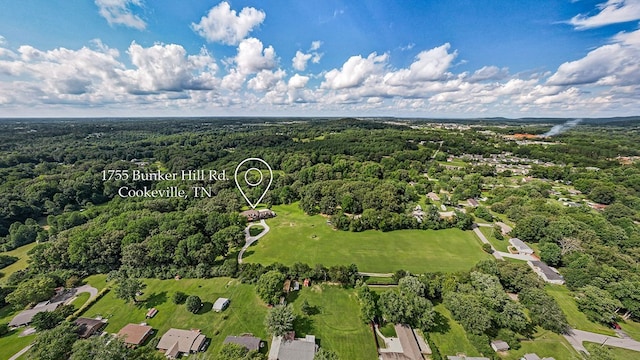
x=54, y=344
x=279, y=320
x=100, y=348
x=232, y=351
x=269, y=286
x=306, y=308
x=597, y=304
x=127, y=288
x=32, y=291
x=323, y=354
x=193, y=303
x=47, y=320
x=603, y=194
x=179, y=297
x=551, y=254
x=4, y=329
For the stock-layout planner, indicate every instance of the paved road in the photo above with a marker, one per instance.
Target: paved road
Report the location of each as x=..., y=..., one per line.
x=577, y=337
x=21, y=352
x=251, y=239
x=496, y=254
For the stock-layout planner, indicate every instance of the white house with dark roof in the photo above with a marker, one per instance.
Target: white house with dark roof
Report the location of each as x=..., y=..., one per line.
x=520, y=246
x=546, y=272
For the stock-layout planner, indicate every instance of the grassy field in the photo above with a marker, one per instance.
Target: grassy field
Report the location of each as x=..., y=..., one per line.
x=632, y=328
x=449, y=336
x=576, y=318
x=500, y=245
x=624, y=354
x=20, y=253
x=244, y=315
x=545, y=343
x=11, y=343
x=336, y=322
x=295, y=237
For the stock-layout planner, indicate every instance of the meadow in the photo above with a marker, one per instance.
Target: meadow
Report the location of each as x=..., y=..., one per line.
x=297, y=237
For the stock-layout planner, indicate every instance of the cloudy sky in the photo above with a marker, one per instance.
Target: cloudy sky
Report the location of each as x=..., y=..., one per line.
x=463, y=58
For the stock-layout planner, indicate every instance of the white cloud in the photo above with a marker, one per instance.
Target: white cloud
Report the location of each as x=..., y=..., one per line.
x=224, y=25
x=118, y=12
x=298, y=81
x=617, y=63
x=354, y=71
x=299, y=62
x=266, y=80
x=169, y=68
x=610, y=12
x=489, y=73
x=3, y=41
x=253, y=57
x=430, y=65
x=233, y=80
x=315, y=45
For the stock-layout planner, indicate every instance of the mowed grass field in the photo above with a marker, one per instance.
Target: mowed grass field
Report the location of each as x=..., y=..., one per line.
x=449, y=336
x=11, y=343
x=296, y=237
x=21, y=264
x=335, y=322
x=245, y=313
x=546, y=344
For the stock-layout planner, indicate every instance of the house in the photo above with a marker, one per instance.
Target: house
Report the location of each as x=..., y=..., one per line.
x=289, y=348
x=220, y=304
x=414, y=347
x=499, y=345
x=546, y=272
x=177, y=341
x=473, y=202
x=25, y=317
x=248, y=341
x=433, y=196
x=135, y=334
x=88, y=327
x=253, y=215
x=534, y=357
x=520, y=246
x=463, y=357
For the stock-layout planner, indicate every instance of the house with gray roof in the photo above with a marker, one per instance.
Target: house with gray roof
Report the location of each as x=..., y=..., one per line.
x=463, y=357
x=290, y=348
x=248, y=341
x=25, y=317
x=546, y=272
x=520, y=246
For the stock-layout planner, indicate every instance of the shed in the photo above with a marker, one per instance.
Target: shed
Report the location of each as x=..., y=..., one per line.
x=220, y=304
x=499, y=345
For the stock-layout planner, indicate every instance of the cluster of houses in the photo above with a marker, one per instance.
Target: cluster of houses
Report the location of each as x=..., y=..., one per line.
x=546, y=272
x=524, y=357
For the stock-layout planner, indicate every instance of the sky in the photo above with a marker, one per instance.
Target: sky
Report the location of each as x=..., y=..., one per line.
x=453, y=59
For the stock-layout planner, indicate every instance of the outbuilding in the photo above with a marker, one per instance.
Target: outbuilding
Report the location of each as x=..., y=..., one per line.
x=220, y=304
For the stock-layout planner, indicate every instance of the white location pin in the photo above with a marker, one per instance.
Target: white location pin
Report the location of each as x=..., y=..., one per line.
x=245, y=180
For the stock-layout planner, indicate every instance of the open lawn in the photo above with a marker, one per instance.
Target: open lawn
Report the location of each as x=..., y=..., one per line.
x=245, y=314
x=500, y=245
x=335, y=321
x=296, y=237
x=577, y=319
x=632, y=328
x=20, y=253
x=624, y=354
x=449, y=336
x=11, y=343
x=545, y=344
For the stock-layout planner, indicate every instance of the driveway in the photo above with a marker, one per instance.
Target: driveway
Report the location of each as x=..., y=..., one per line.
x=93, y=292
x=577, y=337
x=519, y=256
x=251, y=239
x=496, y=254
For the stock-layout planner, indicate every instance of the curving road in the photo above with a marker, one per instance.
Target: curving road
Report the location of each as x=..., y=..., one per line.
x=577, y=337
x=251, y=239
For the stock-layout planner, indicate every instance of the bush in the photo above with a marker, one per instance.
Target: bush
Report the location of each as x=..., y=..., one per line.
x=4, y=329
x=179, y=297
x=193, y=303
x=487, y=248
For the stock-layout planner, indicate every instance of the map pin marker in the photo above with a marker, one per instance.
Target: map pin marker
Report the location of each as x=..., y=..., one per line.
x=248, y=184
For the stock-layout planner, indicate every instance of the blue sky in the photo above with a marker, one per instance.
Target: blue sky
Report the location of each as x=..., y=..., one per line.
x=465, y=58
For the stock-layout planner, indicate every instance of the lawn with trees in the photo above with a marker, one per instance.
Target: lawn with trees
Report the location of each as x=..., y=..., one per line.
x=295, y=237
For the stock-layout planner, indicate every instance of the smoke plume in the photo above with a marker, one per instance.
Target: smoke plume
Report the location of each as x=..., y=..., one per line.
x=559, y=129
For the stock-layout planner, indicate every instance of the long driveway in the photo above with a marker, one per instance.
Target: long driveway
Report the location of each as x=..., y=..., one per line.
x=251, y=239
x=577, y=337
x=496, y=254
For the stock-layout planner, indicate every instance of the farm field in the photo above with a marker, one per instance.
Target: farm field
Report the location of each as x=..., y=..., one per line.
x=296, y=237
x=575, y=317
x=21, y=264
